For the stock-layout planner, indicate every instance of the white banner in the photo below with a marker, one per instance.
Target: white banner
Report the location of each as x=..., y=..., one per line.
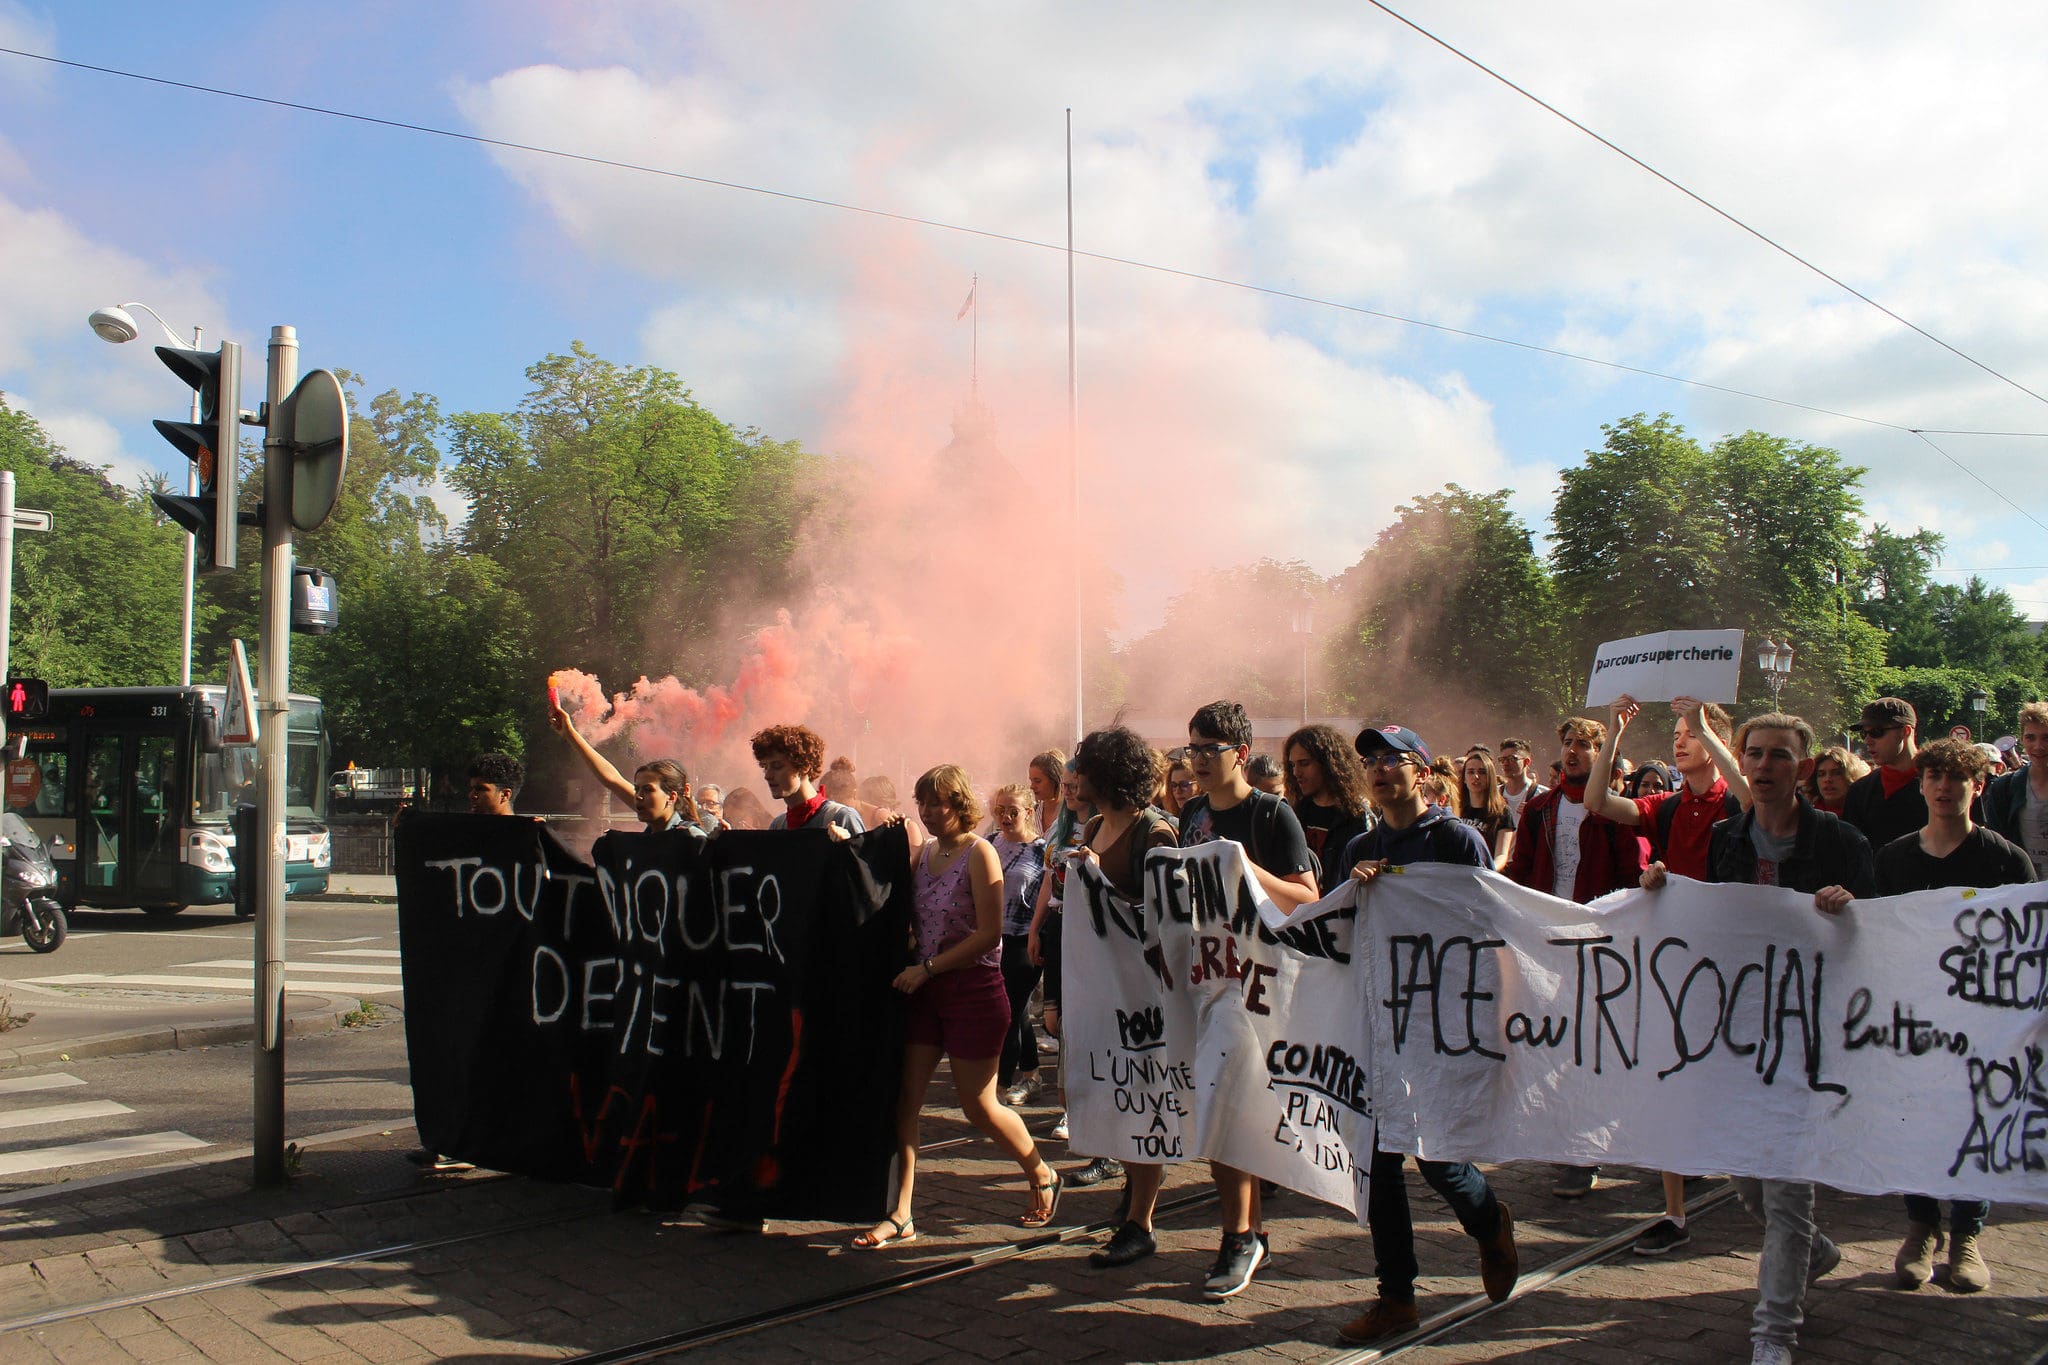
x=1898, y=1047
x=1193, y=1029
x=1705, y=665
x=1710, y=1029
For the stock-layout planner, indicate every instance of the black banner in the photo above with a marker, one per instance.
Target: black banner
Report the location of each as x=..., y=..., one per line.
x=685, y=1020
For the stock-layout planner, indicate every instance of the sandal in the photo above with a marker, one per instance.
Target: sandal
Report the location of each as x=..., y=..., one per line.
x=1034, y=1217
x=906, y=1231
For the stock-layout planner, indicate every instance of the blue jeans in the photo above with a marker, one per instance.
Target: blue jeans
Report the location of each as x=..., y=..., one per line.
x=1965, y=1216
x=1393, y=1229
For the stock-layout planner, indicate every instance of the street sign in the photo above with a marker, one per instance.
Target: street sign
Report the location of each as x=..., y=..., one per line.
x=29, y=519
x=1961, y=732
x=315, y=429
x=238, y=726
x=24, y=783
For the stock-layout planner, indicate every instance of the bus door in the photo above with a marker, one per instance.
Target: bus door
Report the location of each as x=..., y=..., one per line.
x=128, y=834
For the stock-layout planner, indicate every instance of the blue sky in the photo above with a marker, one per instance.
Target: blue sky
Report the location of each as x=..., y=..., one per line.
x=1330, y=152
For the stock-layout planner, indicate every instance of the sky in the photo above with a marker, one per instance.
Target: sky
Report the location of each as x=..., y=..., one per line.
x=1321, y=150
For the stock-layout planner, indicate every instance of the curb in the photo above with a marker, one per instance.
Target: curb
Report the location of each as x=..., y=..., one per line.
x=213, y=1034
x=343, y=898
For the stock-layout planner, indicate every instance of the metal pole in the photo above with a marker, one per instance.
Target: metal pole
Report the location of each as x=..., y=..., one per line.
x=273, y=705
x=1074, y=441
x=223, y=459
x=1304, y=677
x=6, y=578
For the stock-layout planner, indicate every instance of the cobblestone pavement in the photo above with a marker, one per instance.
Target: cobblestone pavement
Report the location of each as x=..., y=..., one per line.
x=550, y=1272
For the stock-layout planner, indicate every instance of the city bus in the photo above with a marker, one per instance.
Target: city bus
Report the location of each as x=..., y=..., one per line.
x=132, y=790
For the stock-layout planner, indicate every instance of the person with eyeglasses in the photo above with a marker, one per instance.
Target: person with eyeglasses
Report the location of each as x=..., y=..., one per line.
x=1411, y=830
x=1886, y=803
x=1180, y=785
x=1229, y=807
x=1518, y=775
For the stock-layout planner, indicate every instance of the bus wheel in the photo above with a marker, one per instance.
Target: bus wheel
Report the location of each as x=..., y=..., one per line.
x=162, y=911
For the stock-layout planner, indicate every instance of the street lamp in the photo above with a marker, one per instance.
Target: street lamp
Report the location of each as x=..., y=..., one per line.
x=1303, y=623
x=1980, y=702
x=1776, y=662
x=116, y=324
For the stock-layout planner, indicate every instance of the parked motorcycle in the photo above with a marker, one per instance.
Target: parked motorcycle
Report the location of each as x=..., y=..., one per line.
x=28, y=883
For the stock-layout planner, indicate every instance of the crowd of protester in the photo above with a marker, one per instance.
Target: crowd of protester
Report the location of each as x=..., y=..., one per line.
x=1759, y=803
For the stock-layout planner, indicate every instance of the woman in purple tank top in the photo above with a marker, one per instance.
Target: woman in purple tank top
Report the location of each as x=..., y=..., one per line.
x=958, y=1005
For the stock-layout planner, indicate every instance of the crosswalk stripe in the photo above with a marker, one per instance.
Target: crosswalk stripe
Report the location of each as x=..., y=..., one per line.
x=107, y=1149
x=245, y=983
x=359, y=952
x=61, y=1113
x=295, y=965
x=56, y=1080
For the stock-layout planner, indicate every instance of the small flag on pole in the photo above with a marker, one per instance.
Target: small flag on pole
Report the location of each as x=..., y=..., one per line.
x=968, y=306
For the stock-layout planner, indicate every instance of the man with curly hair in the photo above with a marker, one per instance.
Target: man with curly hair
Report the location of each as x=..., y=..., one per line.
x=494, y=780
x=792, y=759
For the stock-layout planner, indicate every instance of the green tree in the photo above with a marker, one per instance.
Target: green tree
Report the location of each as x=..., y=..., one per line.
x=1177, y=664
x=1455, y=622
x=97, y=600
x=1654, y=532
x=615, y=499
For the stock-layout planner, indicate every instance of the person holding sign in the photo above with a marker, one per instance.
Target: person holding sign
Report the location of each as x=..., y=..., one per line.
x=792, y=759
x=1565, y=848
x=1229, y=807
x=1413, y=831
x=1952, y=850
x=1886, y=804
x=1114, y=773
x=958, y=1006
x=1679, y=826
x=1783, y=841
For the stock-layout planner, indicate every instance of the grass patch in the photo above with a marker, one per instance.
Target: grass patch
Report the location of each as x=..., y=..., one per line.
x=8, y=1018
x=363, y=1015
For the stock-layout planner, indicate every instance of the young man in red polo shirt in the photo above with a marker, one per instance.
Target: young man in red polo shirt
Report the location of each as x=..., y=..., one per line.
x=1680, y=827
x=1564, y=849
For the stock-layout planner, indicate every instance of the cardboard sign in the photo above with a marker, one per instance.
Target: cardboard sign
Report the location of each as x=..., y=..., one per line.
x=1705, y=665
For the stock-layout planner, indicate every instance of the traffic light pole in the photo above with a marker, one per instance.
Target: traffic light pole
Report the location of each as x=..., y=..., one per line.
x=273, y=707
x=6, y=575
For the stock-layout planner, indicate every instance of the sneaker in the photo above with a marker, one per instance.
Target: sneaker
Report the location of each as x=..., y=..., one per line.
x=1059, y=1130
x=1500, y=1265
x=1664, y=1235
x=1769, y=1353
x=1914, y=1263
x=1130, y=1245
x=1575, y=1182
x=1826, y=1256
x=1236, y=1263
x=437, y=1162
x=1023, y=1092
x=1967, y=1272
x=1095, y=1172
x=1384, y=1319
x=711, y=1216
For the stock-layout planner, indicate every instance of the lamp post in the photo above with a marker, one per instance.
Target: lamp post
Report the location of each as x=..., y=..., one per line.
x=116, y=324
x=1980, y=701
x=1304, y=626
x=1776, y=662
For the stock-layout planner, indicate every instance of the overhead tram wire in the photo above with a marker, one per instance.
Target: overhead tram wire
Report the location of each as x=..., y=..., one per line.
x=1704, y=202
x=1176, y=272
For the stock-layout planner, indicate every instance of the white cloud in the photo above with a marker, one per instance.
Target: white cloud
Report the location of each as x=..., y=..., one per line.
x=1320, y=149
x=52, y=276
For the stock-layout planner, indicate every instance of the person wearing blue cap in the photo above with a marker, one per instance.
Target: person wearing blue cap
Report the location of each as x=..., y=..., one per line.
x=1411, y=830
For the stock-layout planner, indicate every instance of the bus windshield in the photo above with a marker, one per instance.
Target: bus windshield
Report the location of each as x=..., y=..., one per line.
x=229, y=776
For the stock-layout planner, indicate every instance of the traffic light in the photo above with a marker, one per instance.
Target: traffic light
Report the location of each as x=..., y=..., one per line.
x=27, y=699
x=212, y=444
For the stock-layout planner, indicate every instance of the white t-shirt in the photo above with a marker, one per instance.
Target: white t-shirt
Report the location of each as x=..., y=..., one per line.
x=1564, y=848
x=1515, y=802
x=2034, y=831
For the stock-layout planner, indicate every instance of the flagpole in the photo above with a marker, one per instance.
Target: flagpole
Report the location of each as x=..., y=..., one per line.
x=1073, y=441
x=974, y=346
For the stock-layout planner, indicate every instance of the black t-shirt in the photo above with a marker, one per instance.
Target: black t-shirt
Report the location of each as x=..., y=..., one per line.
x=1983, y=859
x=1263, y=823
x=1327, y=829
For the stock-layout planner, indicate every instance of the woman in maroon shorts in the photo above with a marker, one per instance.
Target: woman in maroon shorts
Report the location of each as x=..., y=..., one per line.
x=958, y=1006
